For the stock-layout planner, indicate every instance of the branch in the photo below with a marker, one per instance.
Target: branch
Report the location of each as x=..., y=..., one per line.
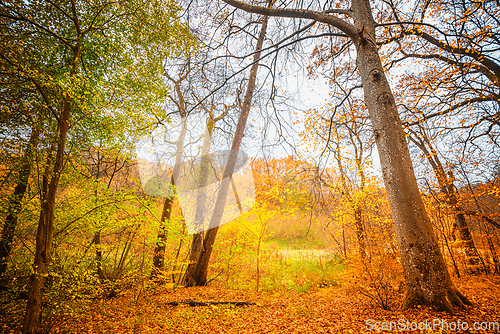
x=226, y=80
x=45, y=98
x=89, y=212
x=494, y=67
x=59, y=9
x=323, y=17
x=476, y=55
x=485, y=218
x=347, y=12
x=456, y=106
x=333, y=115
x=33, y=23
x=483, y=69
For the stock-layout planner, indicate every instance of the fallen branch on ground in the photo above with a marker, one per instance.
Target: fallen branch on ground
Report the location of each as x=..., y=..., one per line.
x=193, y=303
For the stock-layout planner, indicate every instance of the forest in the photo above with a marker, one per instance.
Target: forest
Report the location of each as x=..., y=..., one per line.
x=253, y=166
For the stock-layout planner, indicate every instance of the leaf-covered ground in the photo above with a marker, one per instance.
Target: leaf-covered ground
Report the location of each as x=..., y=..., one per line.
x=337, y=309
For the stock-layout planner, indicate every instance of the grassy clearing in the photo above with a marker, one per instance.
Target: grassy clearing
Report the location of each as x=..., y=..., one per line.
x=286, y=261
x=302, y=269
x=296, y=243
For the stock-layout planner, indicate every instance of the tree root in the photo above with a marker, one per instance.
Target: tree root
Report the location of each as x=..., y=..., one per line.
x=445, y=301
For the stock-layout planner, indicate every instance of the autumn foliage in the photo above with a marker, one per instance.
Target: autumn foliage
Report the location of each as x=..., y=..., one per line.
x=318, y=240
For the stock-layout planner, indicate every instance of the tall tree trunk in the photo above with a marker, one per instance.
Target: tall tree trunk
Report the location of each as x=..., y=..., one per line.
x=159, y=252
x=201, y=267
x=427, y=279
x=9, y=226
x=203, y=177
x=33, y=316
x=197, y=241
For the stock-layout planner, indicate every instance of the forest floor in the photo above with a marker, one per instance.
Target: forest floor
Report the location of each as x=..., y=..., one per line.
x=337, y=309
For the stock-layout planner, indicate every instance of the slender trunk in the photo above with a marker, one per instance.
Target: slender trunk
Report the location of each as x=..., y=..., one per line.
x=176, y=259
x=476, y=264
x=9, y=227
x=485, y=229
x=201, y=267
x=33, y=316
x=494, y=256
x=344, y=241
x=355, y=207
x=203, y=177
x=97, y=234
x=159, y=252
x=197, y=241
x=236, y=197
x=258, y=261
x=123, y=258
x=457, y=272
x=98, y=255
x=485, y=219
x=360, y=233
x=360, y=229
x=426, y=274
x=448, y=189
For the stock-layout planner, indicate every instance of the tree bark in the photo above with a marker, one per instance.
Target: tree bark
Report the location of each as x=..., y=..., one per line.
x=9, y=227
x=427, y=279
x=97, y=234
x=166, y=215
x=200, y=271
x=197, y=241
